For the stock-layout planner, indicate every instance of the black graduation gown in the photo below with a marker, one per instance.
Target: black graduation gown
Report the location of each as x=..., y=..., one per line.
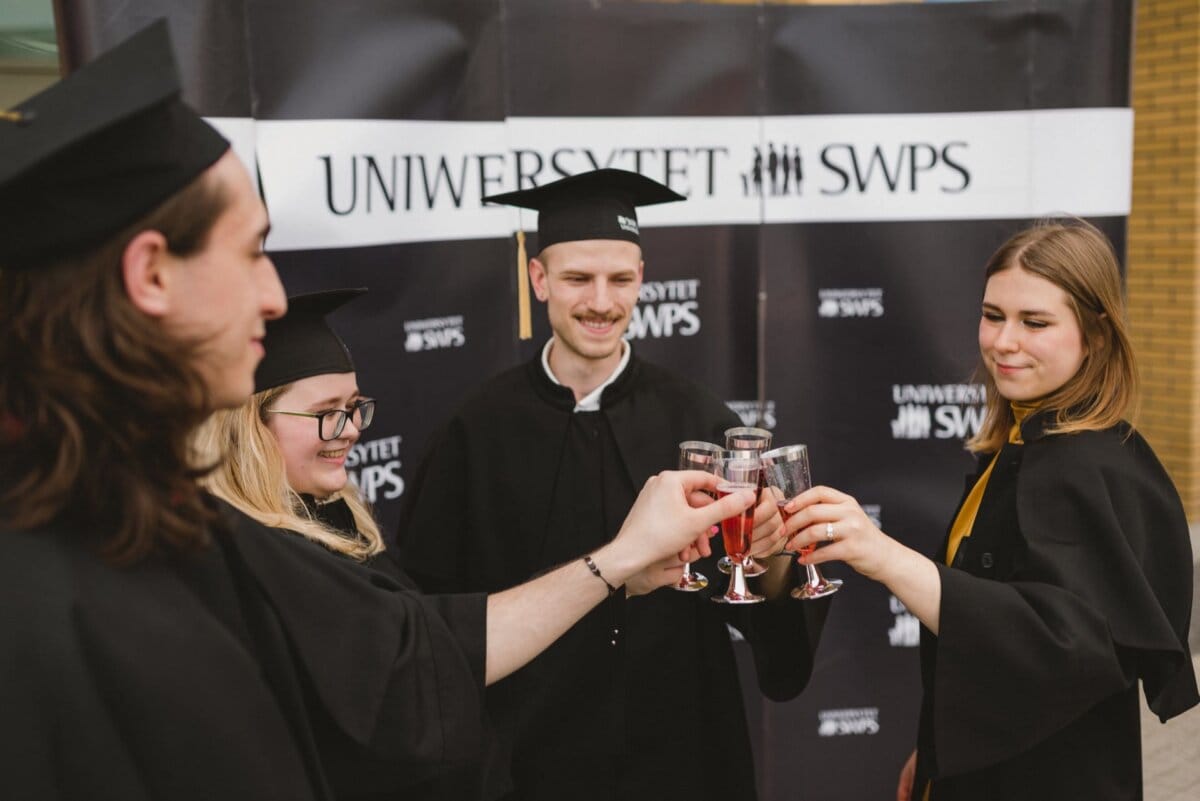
x=641, y=698
x=338, y=516
x=200, y=676
x=355, y=773
x=1076, y=582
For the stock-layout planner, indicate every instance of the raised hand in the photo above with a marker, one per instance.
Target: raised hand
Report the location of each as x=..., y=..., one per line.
x=670, y=515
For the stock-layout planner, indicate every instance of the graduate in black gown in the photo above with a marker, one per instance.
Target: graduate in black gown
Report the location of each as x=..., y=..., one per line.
x=543, y=461
x=154, y=642
x=1066, y=574
x=284, y=455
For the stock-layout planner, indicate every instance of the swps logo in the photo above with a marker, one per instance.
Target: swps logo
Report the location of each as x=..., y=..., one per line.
x=434, y=334
x=842, y=722
x=374, y=467
x=850, y=302
x=906, y=630
x=752, y=415
x=347, y=183
x=940, y=411
x=666, y=309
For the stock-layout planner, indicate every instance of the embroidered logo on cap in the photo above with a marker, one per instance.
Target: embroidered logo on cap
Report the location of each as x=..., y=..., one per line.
x=627, y=224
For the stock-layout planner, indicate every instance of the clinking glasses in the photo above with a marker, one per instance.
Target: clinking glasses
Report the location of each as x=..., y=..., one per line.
x=331, y=423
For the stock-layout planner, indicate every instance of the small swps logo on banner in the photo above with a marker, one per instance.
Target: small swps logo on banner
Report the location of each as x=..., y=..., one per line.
x=843, y=722
x=937, y=411
x=906, y=630
x=434, y=333
x=752, y=414
x=850, y=302
x=666, y=309
x=374, y=467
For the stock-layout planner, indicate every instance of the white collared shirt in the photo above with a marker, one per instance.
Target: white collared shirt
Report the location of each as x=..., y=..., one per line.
x=591, y=401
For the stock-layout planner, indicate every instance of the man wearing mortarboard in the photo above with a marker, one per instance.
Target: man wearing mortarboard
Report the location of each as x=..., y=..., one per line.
x=154, y=642
x=641, y=699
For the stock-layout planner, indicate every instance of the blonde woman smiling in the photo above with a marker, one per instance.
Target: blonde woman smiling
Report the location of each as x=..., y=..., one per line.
x=284, y=465
x=287, y=447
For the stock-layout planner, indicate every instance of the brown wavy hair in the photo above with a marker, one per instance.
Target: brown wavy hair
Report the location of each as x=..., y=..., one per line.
x=96, y=404
x=1077, y=257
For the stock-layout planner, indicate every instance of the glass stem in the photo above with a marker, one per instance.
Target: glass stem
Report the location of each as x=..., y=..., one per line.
x=737, y=583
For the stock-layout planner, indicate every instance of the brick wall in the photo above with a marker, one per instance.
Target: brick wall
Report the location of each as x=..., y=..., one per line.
x=1164, y=305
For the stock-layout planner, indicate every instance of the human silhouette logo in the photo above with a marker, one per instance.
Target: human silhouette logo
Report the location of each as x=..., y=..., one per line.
x=779, y=173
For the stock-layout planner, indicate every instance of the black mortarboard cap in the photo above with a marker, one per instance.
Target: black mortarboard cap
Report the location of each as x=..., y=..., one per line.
x=98, y=150
x=301, y=343
x=601, y=204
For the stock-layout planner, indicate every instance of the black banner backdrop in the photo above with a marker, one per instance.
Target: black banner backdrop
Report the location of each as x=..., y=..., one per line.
x=871, y=329
x=849, y=170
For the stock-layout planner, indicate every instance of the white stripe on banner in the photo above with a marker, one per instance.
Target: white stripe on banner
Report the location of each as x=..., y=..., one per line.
x=345, y=183
x=240, y=133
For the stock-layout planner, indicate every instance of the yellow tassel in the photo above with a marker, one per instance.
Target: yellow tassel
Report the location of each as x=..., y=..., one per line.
x=524, y=320
x=21, y=118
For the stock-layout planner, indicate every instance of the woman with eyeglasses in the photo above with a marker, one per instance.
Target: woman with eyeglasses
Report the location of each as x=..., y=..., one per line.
x=284, y=465
x=281, y=460
x=285, y=456
x=286, y=448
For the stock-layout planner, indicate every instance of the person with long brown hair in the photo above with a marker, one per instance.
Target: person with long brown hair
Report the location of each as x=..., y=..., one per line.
x=1066, y=574
x=155, y=642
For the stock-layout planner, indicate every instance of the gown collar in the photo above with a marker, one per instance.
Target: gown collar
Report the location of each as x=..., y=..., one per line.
x=1021, y=413
x=334, y=513
x=561, y=397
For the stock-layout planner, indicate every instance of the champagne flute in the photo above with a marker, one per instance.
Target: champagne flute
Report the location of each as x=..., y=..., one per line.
x=787, y=475
x=755, y=440
x=738, y=474
x=704, y=456
x=747, y=438
x=750, y=566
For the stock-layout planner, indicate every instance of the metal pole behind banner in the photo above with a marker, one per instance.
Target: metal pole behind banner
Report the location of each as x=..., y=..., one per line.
x=761, y=306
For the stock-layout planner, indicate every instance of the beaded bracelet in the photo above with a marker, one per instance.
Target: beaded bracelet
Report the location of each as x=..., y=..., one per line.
x=587, y=560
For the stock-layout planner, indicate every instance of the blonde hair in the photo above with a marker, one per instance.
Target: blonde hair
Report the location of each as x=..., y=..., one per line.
x=251, y=476
x=1076, y=257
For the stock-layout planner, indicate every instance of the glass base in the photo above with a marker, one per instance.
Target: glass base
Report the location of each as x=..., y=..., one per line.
x=748, y=598
x=690, y=582
x=738, y=592
x=751, y=566
x=823, y=587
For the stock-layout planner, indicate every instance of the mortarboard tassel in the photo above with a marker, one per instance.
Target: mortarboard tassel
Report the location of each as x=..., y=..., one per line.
x=21, y=118
x=524, y=321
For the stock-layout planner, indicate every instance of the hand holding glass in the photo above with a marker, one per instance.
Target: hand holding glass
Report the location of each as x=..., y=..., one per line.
x=704, y=456
x=787, y=475
x=738, y=474
x=749, y=442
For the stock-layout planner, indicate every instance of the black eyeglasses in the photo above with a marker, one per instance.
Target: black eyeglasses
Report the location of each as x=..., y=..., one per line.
x=330, y=424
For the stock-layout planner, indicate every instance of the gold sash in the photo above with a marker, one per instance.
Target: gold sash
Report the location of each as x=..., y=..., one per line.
x=964, y=521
